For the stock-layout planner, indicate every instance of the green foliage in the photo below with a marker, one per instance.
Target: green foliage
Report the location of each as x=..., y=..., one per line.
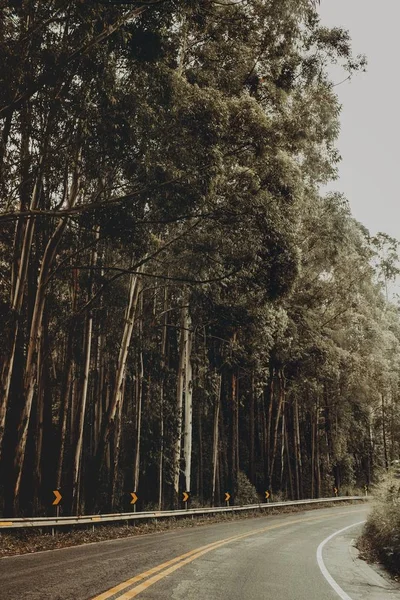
x=382, y=529
x=246, y=492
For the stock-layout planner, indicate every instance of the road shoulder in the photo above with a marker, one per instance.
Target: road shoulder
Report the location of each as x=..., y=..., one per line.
x=353, y=574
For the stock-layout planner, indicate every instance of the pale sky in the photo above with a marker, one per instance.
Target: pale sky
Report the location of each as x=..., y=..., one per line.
x=369, y=142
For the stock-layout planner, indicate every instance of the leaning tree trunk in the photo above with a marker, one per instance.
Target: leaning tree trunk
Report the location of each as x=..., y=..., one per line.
x=31, y=373
x=109, y=420
x=22, y=253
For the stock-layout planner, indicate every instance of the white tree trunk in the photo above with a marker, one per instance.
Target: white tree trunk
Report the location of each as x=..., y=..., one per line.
x=179, y=401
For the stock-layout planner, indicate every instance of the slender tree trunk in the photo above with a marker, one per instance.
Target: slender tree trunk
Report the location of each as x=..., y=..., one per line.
x=65, y=403
x=117, y=450
x=263, y=433
x=31, y=373
x=216, y=440
x=200, y=471
x=81, y=418
x=109, y=420
x=139, y=399
x=317, y=453
x=163, y=366
x=290, y=474
x=276, y=428
x=282, y=447
x=39, y=425
x=296, y=438
x=271, y=391
x=179, y=402
x=385, y=451
x=312, y=453
x=187, y=446
x=234, y=436
x=252, y=469
x=22, y=253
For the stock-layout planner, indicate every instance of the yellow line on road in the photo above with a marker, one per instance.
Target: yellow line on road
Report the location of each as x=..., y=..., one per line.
x=172, y=565
x=122, y=586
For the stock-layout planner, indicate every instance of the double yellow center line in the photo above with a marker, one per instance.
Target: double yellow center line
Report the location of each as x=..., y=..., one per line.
x=164, y=569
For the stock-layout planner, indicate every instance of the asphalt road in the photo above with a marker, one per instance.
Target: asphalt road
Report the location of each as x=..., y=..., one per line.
x=273, y=557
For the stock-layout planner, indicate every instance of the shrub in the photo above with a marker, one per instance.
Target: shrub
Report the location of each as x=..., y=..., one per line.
x=246, y=492
x=382, y=530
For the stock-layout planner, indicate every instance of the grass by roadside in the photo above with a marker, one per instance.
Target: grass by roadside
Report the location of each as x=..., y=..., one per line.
x=27, y=541
x=380, y=542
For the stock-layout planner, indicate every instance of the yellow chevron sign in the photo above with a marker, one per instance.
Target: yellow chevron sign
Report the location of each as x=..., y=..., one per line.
x=134, y=498
x=185, y=496
x=57, y=498
x=267, y=494
x=227, y=496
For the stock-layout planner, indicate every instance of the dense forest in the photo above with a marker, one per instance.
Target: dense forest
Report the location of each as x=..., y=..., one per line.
x=181, y=307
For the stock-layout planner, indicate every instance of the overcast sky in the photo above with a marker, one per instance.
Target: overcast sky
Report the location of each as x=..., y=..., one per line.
x=369, y=142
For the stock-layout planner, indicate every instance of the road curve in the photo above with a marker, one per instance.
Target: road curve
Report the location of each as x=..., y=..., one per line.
x=272, y=557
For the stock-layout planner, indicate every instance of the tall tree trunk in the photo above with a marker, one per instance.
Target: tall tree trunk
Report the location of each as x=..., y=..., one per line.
x=116, y=451
x=276, y=427
x=313, y=428
x=297, y=447
x=252, y=469
x=22, y=252
x=217, y=406
x=65, y=402
x=271, y=392
x=163, y=367
x=81, y=418
x=179, y=402
x=139, y=399
x=282, y=447
x=109, y=420
x=385, y=451
x=31, y=373
x=234, y=434
x=200, y=471
x=290, y=474
x=187, y=445
x=317, y=453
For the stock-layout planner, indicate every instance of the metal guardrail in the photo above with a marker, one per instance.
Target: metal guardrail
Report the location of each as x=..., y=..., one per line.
x=137, y=516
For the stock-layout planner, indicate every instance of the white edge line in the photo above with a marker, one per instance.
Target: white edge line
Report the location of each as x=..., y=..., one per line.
x=341, y=593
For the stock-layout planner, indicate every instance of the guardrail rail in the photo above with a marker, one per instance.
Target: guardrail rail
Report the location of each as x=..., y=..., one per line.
x=10, y=523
